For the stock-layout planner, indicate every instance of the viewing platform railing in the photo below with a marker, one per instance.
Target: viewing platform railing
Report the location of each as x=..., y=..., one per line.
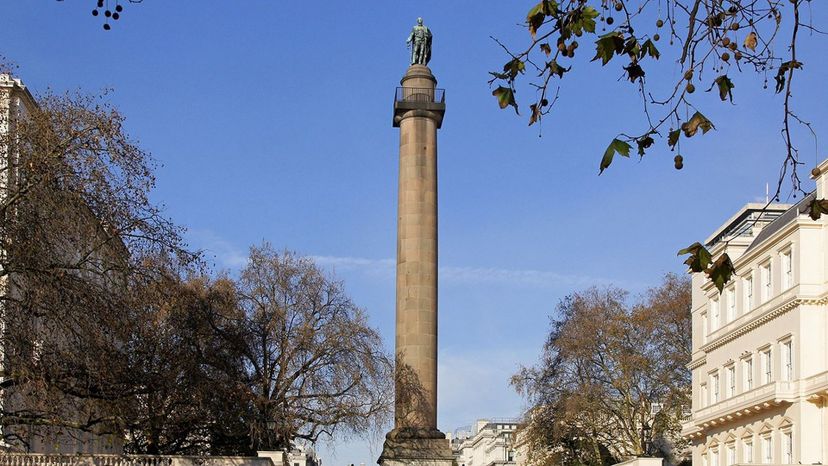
x=420, y=95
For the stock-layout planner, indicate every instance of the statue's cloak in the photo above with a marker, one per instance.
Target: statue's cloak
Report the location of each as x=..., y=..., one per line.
x=428, y=45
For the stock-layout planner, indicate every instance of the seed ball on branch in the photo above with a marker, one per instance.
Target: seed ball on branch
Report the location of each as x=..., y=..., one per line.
x=610, y=20
x=725, y=56
x=690, y=88
x=815, y=172
x=618, y=6
x=659, y=23
x=679, y=162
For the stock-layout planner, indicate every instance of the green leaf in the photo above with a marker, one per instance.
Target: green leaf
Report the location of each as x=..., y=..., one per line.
x=643, y=144
x=696, y=121
x=514, y=67
x=584, y=20
x=616, y=146
x=721, y=271
x=632, y=48
x=817, y=208
x=505, y=97
x=538, y=14
x=650, y=49
x=555, y=68
x=725, y=86
x=608, y=45
x=699, y=258
x=673, y=137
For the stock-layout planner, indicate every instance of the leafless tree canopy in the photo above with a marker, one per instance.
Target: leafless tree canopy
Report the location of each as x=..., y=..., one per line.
x=112, y=327
x=312, y=364
x=612, y=381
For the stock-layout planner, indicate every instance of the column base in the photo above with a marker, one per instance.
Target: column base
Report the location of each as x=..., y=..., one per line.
x=416, y=447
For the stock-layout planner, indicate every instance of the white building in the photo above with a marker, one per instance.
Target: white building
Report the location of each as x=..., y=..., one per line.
x=760, y=358
x=488, y=443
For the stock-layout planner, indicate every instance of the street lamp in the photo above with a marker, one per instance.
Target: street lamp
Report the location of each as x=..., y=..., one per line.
x=646, y=443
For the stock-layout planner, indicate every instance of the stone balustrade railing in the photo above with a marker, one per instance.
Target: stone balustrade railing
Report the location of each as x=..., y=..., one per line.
x=34, y=459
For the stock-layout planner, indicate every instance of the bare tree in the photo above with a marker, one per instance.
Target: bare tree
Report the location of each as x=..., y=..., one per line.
x=312, y=365
x=186, y=380
x=77, y=229
x=611, y=382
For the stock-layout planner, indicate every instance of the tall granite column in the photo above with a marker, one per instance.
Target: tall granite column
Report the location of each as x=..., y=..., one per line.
x=418, y=112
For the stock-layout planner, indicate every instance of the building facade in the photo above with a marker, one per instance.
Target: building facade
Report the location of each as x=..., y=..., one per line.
x=760, y=358
x=16, y=104
x=487, y=443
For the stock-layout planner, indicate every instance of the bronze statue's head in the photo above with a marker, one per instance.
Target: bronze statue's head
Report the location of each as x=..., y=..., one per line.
x=419, y=21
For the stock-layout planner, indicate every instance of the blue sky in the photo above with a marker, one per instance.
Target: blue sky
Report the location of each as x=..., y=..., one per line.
x=272, y=121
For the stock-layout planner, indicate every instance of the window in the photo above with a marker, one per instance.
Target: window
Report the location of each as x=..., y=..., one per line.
x=731, y=381
x=703, y=401
x=705, y=327
x=748, y=364
x=767, y=449
x=714, y=314
x=714, y=383
x=787, y=447
x=787, y=270
x=767, y=367
x=747, y=454
x=731, y=303
x=766, y=282
x=731, y=455
x=787, y=360
x=748, y=305
x=510, y=456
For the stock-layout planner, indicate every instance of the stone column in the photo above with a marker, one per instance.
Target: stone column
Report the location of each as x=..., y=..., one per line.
x=418, y=112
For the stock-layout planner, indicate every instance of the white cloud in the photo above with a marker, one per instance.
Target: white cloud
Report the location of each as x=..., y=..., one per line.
x=225, y=253
x=469, y=275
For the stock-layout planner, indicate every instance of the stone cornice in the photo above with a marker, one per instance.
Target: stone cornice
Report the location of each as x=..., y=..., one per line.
x=769, y=244
x=696, y=363
x=761, y=320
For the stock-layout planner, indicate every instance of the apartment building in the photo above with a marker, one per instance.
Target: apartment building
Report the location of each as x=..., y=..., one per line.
x=490, y=442
x=760, y=358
